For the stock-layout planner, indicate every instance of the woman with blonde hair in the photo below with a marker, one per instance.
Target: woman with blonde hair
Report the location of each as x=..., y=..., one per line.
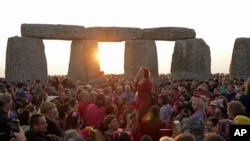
x=198, y=106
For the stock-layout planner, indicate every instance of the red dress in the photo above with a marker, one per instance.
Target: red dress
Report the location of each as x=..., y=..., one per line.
x=143, y=102
x=151, y=128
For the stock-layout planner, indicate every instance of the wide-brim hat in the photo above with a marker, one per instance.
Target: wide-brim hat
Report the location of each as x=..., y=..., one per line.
x=215, y=103
x=50, y=98
x=185, y=106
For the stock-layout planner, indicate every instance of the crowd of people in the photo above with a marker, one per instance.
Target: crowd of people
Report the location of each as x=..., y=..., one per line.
x=123, y=109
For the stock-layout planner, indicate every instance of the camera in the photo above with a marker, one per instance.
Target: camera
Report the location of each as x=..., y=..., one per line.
x=177, y=127
x=15, y=125
x=133, y=115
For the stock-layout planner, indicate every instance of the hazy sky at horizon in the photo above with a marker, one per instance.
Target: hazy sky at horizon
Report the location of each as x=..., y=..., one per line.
x=218, y=23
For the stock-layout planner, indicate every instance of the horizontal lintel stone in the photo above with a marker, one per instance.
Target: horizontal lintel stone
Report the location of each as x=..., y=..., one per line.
x=168, y=33
x=53, y=31
x=113, y=34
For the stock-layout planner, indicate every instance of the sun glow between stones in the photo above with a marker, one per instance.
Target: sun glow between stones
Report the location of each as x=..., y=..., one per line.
x=111, y=57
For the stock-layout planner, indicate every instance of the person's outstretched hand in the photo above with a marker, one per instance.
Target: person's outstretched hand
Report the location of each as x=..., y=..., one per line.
x=18, y=136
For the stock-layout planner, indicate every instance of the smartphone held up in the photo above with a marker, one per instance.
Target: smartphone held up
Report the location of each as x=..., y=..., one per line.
x=15, y=125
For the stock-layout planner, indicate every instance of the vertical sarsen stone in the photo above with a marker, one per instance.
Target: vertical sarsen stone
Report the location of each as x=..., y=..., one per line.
x=140, y=53
x=25, y=59
x=191, y=59
x=240, y=63
x=84, y=64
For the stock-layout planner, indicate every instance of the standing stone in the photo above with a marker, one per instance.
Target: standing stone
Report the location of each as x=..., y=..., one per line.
x=25, y=60
x=84, y=64
x=191, y=60
x=140, y=53
x=240, y=63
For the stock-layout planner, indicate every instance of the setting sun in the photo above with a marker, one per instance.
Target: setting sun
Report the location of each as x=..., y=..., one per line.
x=111, y=57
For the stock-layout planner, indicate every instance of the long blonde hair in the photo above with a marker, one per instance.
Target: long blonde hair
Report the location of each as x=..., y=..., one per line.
x=201, y=104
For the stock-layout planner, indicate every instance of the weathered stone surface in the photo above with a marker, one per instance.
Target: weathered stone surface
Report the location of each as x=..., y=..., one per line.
x=168, y=33
x=191, y=59
x=84, y=64
x=140, y=53
x=50, y=31
x=25, y=59
x=113, y=34
x=240, y=63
